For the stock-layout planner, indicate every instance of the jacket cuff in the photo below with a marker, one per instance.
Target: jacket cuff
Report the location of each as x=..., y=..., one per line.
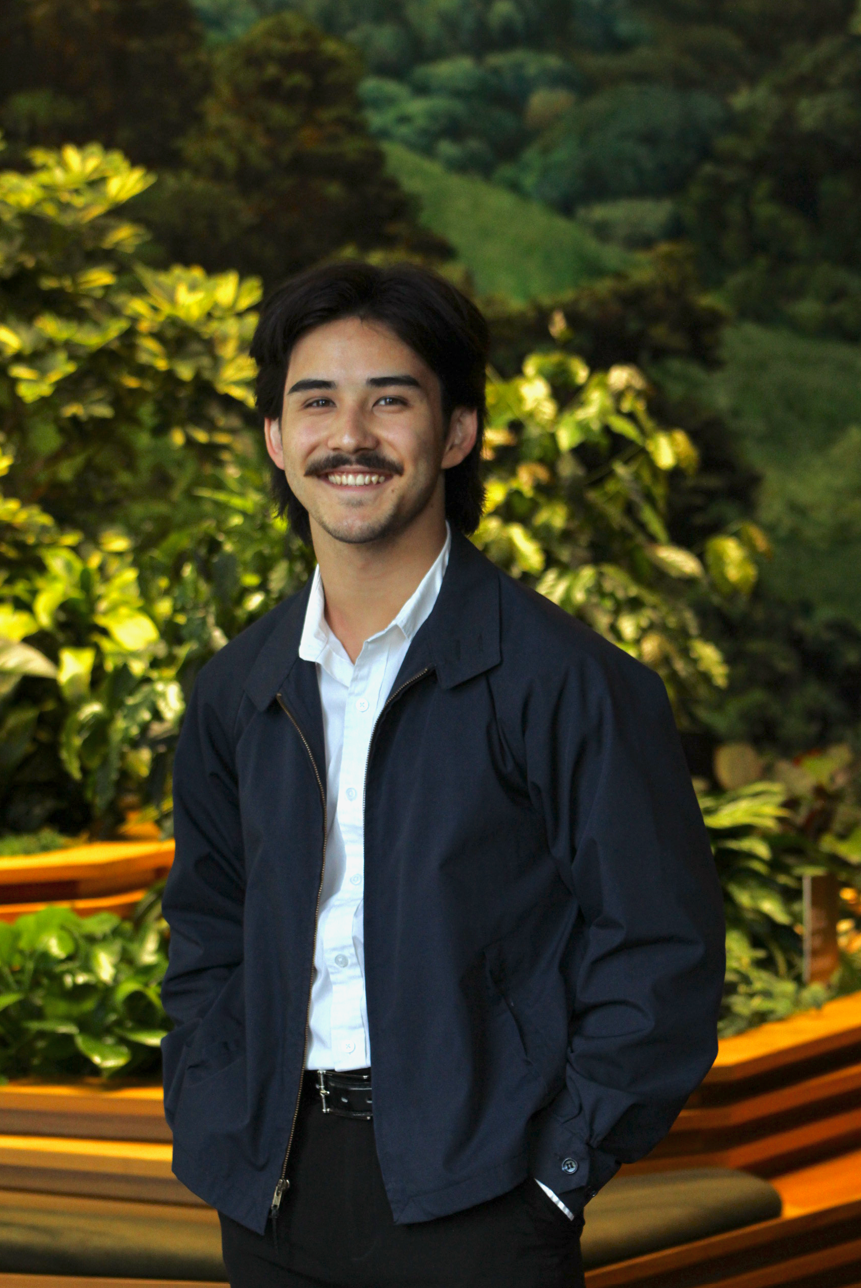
x=561, y=1159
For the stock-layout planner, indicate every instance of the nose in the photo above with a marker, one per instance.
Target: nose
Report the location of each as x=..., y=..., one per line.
x=351, y=430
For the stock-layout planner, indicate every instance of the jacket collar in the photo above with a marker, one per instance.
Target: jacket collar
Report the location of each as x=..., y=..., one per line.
x=460, y=638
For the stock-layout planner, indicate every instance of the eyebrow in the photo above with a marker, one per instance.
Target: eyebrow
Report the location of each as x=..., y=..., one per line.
x=375, y=382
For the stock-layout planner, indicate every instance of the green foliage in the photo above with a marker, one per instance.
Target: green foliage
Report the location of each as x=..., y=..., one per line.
x=709, y=44
x=577, y=487
x=633, y=222
x=766, y=837
x=653, y=311
x=394, y=37
x=776, y=213
x=36, y=843
x=795, y=677
x=754, y=995
x=100, y=359
x=129, y=73
x=470, y=114
x=627, y=141
x=280, y=170
x=81, y=995
x=132, y=388
x=133, y=385
x=266, y=162
x=512, y=247
x=791, y=404
x=785, y=406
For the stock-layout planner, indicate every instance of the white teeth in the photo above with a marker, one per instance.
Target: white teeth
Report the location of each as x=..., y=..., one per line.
x=354, y=480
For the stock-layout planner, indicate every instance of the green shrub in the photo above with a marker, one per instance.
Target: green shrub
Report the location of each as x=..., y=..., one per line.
x=767, y=836
x=627, y=141
x=633, y=222
x=775, y=212
x=81, y=995
x=40, y=842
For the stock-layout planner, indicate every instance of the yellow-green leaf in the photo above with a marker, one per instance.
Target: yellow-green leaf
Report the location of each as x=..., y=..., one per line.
x=15, y=624
x=132, y=631
x=730, y=565
x=676, y=561
x=22, y=659
x=73, y=677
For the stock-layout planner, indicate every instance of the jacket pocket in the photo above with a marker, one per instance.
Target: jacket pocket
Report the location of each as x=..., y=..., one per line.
x=213, y=1057
x=213, y=1107
x=175, y=1053
x=501, y=998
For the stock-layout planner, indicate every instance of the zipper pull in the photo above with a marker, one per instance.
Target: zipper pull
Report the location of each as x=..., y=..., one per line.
x=282, y=1185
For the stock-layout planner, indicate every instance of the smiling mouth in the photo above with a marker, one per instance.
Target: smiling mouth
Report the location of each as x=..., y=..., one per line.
x=339, y=478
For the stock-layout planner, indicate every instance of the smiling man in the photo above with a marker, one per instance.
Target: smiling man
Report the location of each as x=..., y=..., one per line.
x=446, y=937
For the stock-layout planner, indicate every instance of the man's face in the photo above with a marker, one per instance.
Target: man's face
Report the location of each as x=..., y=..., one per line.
x=361, y=438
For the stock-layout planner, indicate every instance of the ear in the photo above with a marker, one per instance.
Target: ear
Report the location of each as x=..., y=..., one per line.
x=272, y=436
x=462, y=433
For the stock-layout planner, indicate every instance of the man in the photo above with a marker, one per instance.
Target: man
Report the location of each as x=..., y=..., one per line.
x=446, y=936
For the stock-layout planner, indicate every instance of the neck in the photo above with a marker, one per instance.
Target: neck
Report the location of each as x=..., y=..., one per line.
x=367, y=585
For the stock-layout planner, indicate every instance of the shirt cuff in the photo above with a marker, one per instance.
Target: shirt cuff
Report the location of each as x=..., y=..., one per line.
x=556, y=1200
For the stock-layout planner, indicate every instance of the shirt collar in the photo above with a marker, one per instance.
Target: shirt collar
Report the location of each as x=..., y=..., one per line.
x=460, y=639
x=317, y=638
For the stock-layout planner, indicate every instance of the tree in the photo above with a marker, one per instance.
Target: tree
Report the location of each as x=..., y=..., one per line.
x=777, y=213
x=281, y=171
x=629, y=141
x=129, y=73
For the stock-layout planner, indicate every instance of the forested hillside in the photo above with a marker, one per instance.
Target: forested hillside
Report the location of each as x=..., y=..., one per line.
x=736, y=123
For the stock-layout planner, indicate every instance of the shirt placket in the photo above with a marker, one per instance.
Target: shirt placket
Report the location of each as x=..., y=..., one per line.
x=349, y=1038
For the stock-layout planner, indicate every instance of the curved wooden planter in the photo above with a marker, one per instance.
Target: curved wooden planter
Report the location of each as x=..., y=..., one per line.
x=107, y=876
x=92, y=1142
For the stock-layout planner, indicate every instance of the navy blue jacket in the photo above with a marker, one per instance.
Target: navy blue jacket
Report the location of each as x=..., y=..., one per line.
x=543, y=925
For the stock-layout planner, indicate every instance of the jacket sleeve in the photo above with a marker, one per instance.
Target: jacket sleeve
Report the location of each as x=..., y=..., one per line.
x=205, y=889
x=607, y=771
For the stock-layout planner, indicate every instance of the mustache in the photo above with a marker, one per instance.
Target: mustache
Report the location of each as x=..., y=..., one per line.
x=368, y=461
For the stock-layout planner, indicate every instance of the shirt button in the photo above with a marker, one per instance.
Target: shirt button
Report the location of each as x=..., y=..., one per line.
x=569, y=1165
x=362, y=704
x=356, y=879
x=351, y=793
x=341, y=960
x=348, y=1047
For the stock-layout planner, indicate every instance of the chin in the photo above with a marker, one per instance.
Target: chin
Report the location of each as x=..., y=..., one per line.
x=358, y=532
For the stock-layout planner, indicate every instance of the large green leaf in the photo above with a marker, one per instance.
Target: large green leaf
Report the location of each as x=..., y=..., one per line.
x=146, y=1037
x=107, y=1056
x=21, y=659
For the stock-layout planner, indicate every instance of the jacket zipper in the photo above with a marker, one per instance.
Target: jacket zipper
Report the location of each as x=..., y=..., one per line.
x=283, y=1183
x=388, y=702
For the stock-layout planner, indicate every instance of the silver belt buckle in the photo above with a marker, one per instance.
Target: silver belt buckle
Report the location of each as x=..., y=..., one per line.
x=323, y=1090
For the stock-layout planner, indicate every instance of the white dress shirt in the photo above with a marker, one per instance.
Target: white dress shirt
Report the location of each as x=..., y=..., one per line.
x=352, y=696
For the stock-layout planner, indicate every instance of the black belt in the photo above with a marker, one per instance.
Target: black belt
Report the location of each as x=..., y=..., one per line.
x=347, y=1094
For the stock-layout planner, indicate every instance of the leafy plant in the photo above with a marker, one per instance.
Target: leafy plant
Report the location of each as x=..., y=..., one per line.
x=577, y=485
x=767, y=836
x=81, y=995
x=87, y=733
x=130, y=388
x=35, y=843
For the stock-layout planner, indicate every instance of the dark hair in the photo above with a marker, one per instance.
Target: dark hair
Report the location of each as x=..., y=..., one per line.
x=426, y=312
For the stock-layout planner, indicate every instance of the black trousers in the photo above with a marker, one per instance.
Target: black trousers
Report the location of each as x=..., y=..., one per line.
x=335, y=1227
